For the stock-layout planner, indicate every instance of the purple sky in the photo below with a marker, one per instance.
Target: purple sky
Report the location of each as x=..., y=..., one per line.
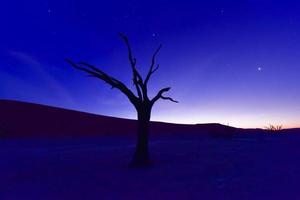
x=230, y=62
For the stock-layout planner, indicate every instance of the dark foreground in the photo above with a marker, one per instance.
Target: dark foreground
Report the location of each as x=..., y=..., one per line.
x=186, y=167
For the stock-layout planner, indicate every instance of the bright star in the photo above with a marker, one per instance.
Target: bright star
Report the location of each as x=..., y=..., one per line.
x=259, y=68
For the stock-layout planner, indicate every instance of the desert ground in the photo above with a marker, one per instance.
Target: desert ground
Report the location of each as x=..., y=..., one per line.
x=185, y=166
x=54, y=153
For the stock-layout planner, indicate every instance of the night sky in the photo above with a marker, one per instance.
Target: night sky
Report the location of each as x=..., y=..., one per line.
x=230, y=62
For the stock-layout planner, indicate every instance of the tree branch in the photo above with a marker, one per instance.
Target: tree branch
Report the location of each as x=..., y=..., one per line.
x=169, y=98
x=95, y=72
x=141, y=86
x=137, y=78
x=160, y=96
x=151, y=70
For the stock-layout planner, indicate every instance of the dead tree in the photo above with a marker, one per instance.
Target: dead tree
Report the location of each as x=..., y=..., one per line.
x=142, y=103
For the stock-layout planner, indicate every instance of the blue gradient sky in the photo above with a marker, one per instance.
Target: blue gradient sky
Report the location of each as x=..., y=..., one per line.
x=230, y=62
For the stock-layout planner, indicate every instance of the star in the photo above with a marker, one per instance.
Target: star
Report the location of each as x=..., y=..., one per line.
x=153, y=34
x=222, y=11
x=259, y=68
x=49, y=11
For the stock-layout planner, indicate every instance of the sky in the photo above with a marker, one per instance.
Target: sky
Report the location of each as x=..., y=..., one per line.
x=227, y=61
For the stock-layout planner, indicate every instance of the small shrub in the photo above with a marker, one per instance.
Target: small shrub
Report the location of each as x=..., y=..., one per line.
x=273, y=128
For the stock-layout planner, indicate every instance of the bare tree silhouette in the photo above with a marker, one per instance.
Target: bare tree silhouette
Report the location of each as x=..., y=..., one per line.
x=142, y=103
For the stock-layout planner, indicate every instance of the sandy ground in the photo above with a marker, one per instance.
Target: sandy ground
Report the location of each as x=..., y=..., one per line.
x=185, y=167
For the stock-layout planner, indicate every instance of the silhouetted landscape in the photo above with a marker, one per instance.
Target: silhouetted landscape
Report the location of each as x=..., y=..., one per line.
x=24, y=120
x=149, y=100
x=54, y=153
x=19, y=119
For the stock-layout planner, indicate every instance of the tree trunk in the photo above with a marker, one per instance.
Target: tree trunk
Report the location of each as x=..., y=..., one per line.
x=141, y=156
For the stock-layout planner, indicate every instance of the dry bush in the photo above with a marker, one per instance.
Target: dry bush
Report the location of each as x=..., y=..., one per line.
x=274, y=128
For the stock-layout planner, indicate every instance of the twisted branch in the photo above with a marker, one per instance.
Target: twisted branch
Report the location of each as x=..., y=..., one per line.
x=160, y=96
x=97, y=73
x=137, y=78
x=140, y=85
x=151, y=70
